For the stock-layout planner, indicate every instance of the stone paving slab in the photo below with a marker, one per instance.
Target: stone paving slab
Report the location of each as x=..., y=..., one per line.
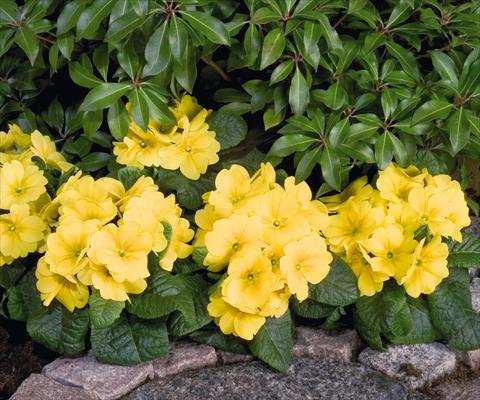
x=417, y=365
x=101, y=381
x=39, y=387
x=459, y=391
x=306, y=379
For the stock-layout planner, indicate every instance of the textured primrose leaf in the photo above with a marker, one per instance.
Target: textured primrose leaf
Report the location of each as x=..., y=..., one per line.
x=465, y=254
x=103, y=312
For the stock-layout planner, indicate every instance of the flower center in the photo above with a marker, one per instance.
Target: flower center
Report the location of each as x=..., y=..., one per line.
x=142, y=144
x=250, y=277
x=121, y=253
x=424, y=218
x=77, y=253
x=188, y=149
x=12, y=228
x=418, y=263
x=354, y=230
x=389, y=255
x=18, y=189
x=276, y=223
x=298, y=267
x=235, y=246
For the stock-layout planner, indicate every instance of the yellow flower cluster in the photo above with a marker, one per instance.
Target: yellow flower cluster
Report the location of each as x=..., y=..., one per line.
x=104, y=236
x=374, y=229
x=188, y=145
x=267, y=237
x=23, y=191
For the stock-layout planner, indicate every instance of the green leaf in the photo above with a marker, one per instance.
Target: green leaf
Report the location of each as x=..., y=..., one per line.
x=214, y=29
x=405, y=58
x=445, y=67
x=91, y=121
x=273, y=343
x=431, y=110
x=15, y=306
x=118, y=120
x=103, y=313
x=82, y=76
x=177, y=38
x=389, y=102
x=335, y=96
x=157, y=51
x=214, y=337
x=281, y=71
x=265, y=15
x=139, y=109
x=330, y=34
x=339, y=288
x=299, y=93
x=159, y=111
x=273, y=46
x=311, y=309
x=289, y=144
x=252, y=44
x=9, y=274
x=28, y=42
x=91, y=17
x=400, y=13
x=130, y=341
x=331, y=167
x=383, y=150
x=339, y=133
x=123, y=26
x=358, y=151
x=422, y=330
x=307, y=162
x=69, y=16
x=199, y=254
x=94, y=161
x=459, y=130
x=470, y=78
x=129, y=175
x=103, y=95
x=465, y=254
x=399, y=150
x=59, y=329
x=451, y=311
x=185, y=70
x=8, y=11
x=230, y=129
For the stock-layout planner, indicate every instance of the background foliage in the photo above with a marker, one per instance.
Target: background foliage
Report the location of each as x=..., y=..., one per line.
x=347, y=84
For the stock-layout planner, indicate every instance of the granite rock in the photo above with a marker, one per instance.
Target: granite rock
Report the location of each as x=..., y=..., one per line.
x=474, y=226
x=470, y=358
x=39, y=387
x=475, y=291
x=184, y=356
x=469, y=390
x=226, y=357
x=306, y=379
x=101, y=381
x=417, y=365
x=314, y=342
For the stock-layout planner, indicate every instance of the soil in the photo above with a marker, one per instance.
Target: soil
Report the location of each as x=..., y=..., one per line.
x=19, y=356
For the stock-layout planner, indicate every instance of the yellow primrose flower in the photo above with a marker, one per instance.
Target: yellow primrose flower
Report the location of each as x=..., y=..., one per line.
x=85, y=199
x=187, y=106
x=20, y=232
x=66, y=289
x=277, y=304
x=43, y=147
x=395, y=183
x=232, y=190
x=359, y=188
x=305, y=261
x=428, y=268
x=123, y=249
x=233, y=321
x=67, y=247
x=5, y=260
x=315, y=212
x=107, y=284
x=141, y=148
x=281, y=221
x=234, y=236
x=20, y=184
x=150, y=225
x=391, y=250
x=142, y=185
x=433, y=208
x=354, y=222
x=250, y=282
x=179, y=247
x=22, y=140
x=193, y=150
x=113, y=187
x=6, y=142
x=369, y=282
x=263, y=180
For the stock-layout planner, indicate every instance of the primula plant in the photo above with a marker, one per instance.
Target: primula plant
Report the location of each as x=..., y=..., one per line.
x=324, y=175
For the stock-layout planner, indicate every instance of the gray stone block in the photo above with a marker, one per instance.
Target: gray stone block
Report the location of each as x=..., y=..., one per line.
x=475, y=291
x=469, y=390
x=39, y=387
x=101, y=381
x=306, y=379
x=316, y=343
x=184, y=357
x=417, y=365
x=226, y=357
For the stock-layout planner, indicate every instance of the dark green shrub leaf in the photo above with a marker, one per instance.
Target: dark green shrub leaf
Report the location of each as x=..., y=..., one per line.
x=405, y=58
x=129, y=175
x=122, y=26
x=28, y=42
x=433, y=109
x=103, y=95
x=103, y=313
x=82, y=76
x=383, y=150
x=299, y=93
x=118, y=120
x=177, y=37
x=311, y=309
x=230, y=128
x=91, y=17
x=94, y=161
x=59, y=329
x=212, y=336
x=9, y=274
x=331, y=167
x=465, y=254
x=289, y=144
x=211, y=27
x=339, y=288
x=445, y=67
x=273, y=343
x=273, y=46
x=451, y=311
x=157, y=51
x=130, y=341
x=69, y=16
x=459, y=130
